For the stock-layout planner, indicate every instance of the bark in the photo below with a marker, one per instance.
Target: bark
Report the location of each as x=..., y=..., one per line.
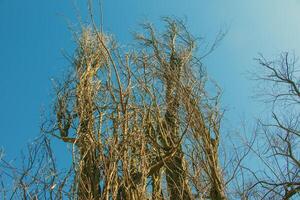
x=175, y=172
x=156, y=186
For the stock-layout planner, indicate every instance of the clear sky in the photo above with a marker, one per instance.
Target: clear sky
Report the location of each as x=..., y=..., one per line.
x=33, y=34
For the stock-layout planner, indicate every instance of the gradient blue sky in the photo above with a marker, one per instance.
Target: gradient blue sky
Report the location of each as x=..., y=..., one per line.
x=34, y=32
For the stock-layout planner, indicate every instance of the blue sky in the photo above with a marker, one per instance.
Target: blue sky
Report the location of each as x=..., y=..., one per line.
x=33, y=34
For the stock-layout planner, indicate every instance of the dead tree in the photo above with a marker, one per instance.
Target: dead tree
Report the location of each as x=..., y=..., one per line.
x=140, y=122
x=36, y=176
x=278, y=137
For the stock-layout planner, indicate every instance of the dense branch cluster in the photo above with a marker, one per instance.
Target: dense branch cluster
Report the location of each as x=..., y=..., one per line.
x=142, y=125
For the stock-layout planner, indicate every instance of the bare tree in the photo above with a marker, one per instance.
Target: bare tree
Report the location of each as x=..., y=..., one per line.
x=140, y=117
x=142, y=125
x=140, y=122
x=278, y=139
x=37, y=177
